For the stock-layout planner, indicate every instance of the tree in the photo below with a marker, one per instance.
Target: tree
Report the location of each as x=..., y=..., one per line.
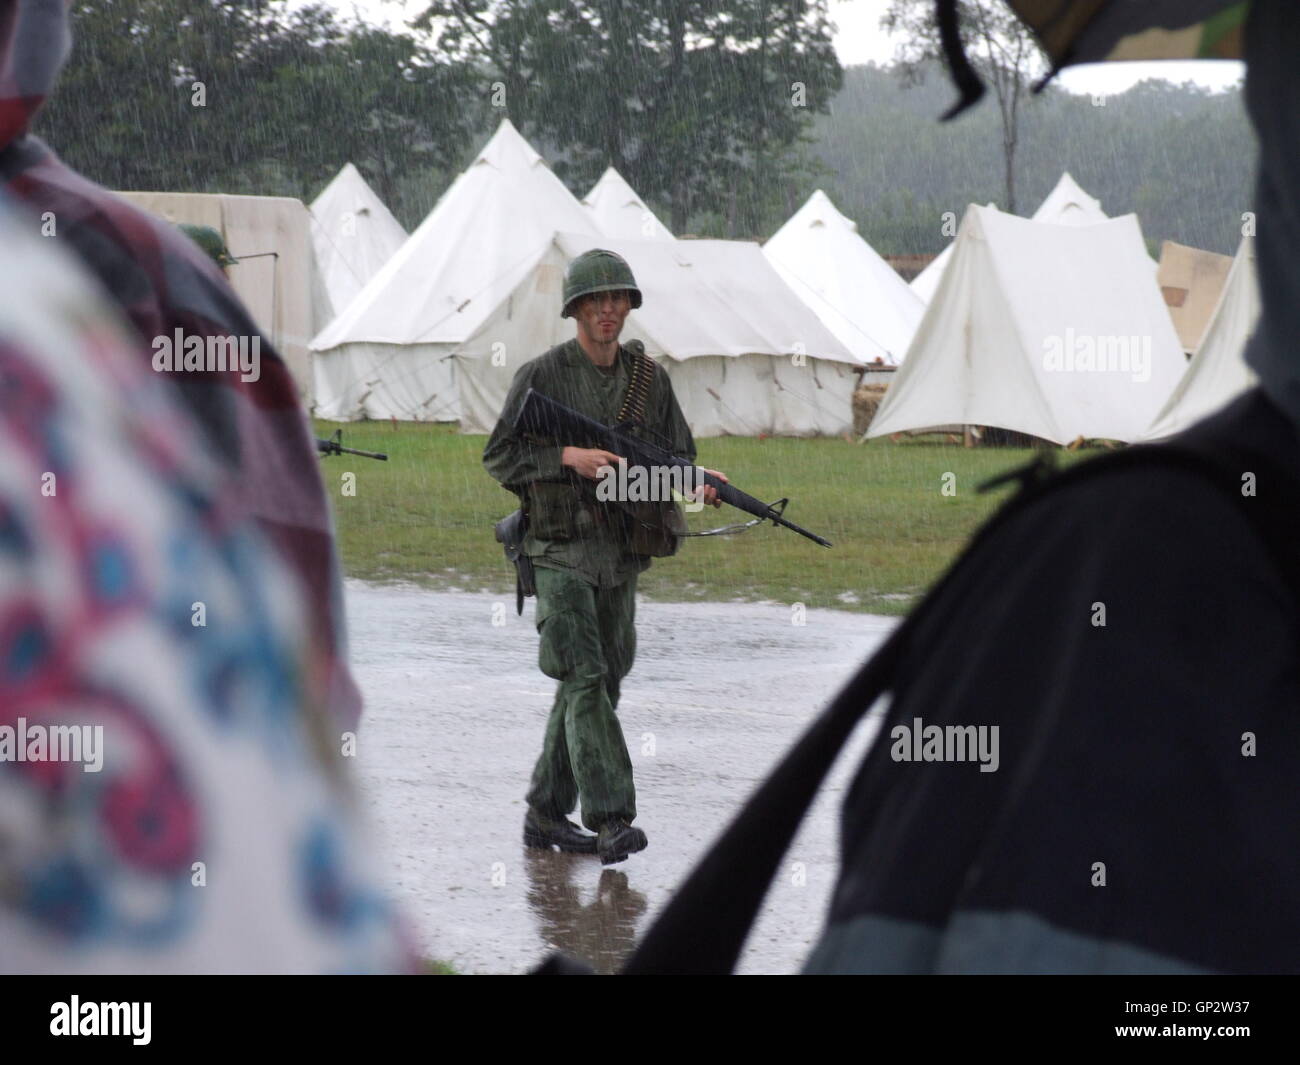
x=250, y=96
x=1000, y=48
x=696, y=102
x=783, y=43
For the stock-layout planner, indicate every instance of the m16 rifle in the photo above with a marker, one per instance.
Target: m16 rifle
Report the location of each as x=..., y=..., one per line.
x=542, y=416
x=334, y=446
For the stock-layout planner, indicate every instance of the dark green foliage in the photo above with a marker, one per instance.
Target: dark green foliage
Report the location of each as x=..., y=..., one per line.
x=696, y=102
x=287, y=97
x=1180, y=156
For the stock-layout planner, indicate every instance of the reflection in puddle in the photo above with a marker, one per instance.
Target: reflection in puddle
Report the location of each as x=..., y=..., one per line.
x=601, y=931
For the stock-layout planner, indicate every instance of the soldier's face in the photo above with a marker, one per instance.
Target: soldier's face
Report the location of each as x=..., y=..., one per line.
x=600, y=316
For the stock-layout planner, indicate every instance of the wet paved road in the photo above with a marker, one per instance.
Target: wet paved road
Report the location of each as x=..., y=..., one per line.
x=455, y=708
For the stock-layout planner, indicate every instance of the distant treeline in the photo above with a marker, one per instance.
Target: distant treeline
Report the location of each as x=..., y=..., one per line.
x=1181, y=157
x=289, y=96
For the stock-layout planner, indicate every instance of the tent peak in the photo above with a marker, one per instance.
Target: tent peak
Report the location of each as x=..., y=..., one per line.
x=612, y=183
x=610, y=176
x=508, y=148
x=820, y=210
x=1068, y=195
x=348, y=184
x=619, y=211
x=819, y=198
x=821, y=255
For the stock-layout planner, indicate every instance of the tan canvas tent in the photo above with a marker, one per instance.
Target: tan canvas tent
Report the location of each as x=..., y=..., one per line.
x=1218, y=372
x=1191, y=281
x=275, y=275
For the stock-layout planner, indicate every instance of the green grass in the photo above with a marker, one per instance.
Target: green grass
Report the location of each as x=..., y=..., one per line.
x=426, y=515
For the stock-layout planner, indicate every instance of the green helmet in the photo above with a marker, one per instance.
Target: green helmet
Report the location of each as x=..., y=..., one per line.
x=211, y=242
x=597, y=271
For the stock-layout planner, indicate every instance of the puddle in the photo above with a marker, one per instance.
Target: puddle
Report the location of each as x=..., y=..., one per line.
x=455, y=708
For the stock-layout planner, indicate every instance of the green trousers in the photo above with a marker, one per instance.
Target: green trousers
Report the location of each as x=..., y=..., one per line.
x=588, y=641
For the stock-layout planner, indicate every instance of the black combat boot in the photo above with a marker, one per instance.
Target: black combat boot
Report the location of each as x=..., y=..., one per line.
x=545, y=832
x=617, y=839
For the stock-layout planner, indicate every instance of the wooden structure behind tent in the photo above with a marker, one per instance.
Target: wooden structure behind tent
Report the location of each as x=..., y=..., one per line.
x=271, y=238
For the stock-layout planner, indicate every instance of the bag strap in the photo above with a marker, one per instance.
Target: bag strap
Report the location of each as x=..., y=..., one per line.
x=703, y=928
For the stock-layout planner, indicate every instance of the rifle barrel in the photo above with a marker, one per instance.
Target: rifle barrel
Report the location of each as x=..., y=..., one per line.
x=333, y=447
x=364, y=454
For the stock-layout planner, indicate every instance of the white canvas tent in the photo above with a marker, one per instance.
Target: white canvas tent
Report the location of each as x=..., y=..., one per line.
x=1055, y=331
x=744, y=354
x=619, y=212
x=1066, y=205
x=1218, y=372
x=353, y=235
x=860, y=297
x=275, y=276
x=475, y=291
x=393, y=352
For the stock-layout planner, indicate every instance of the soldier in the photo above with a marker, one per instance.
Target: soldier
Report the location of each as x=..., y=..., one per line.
x=211, y=242
x=585, y=558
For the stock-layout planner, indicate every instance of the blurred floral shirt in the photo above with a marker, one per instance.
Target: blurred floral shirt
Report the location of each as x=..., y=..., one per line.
x=169, y=799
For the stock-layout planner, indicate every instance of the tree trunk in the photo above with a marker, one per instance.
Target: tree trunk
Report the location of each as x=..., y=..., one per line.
x=1009, y=156
x=385, y=176
x=676, y=16
x=679, y=210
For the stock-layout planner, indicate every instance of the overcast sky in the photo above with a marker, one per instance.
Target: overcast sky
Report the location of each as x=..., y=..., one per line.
x=859, y=39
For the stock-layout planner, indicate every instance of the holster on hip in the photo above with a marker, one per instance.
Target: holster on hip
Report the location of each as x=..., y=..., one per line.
x=510, y=532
